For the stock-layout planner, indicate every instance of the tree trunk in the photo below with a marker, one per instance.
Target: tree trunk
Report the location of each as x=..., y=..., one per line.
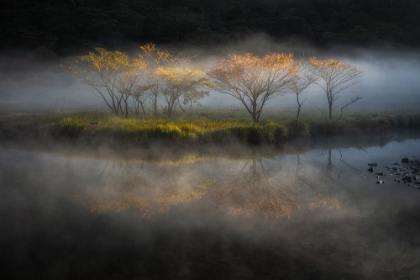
x=155, y=107
x=298, y=111
x=330, y=110
x=255, y=117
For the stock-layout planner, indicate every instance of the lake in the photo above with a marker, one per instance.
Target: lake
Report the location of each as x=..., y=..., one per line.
x=310, y=210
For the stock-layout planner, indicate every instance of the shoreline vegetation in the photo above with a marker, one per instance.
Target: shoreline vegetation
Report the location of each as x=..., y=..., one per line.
x=95, y=129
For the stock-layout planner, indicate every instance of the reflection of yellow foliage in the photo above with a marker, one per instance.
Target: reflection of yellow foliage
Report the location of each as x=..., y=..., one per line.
x=272, y=208
x=102, y=205
x=147, y=204
x=330, y=203
x=178, y=196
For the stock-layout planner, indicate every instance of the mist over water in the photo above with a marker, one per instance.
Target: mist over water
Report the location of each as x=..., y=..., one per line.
x=308, y=210
x=292, y=213
x=390, y=78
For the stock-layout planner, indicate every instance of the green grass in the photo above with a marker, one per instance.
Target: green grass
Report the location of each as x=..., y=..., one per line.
x=219, y=127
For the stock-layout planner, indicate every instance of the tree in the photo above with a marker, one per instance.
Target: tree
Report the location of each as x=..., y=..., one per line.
x=114, y=75
x=181, y=82
x=336, y=76
x=154, y=59
x=253, y=80
x=299, y=83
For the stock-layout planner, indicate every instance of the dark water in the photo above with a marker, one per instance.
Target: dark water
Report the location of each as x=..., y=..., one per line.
x=288, y=213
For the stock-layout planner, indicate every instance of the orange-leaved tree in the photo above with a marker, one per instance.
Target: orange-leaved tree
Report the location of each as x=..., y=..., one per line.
x=253, y=80
x=336, y=77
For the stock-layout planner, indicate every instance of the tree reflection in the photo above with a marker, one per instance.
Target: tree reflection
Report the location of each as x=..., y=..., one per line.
x=152, y=190
x=268, y=188
x=253, y=191
x=333, y=193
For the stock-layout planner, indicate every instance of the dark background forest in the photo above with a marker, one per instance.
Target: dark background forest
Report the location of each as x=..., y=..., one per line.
x=66, y=27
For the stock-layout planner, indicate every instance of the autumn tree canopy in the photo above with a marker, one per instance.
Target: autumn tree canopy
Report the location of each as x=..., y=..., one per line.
x=121, y=80
x=254, y=80
x=154, y=58
x=179, y=82
x=335, y=77
x=114, y=75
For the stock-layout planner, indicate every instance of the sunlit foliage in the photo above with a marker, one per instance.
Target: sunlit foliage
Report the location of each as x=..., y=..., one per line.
x=181, y=82
x=153, y=74
x=254, y=80
x=154, y=58
x=336, y=77
x=113, y=74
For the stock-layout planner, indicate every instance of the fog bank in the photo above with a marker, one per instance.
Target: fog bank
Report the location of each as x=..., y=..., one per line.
x=390, y=79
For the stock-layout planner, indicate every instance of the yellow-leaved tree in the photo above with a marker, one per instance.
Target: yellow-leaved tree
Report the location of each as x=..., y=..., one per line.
x=254, y=80
x=336, y=77
x=154, y=58
x=113, y=74
x=177, y=82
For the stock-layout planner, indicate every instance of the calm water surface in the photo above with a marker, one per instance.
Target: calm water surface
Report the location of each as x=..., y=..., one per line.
x=291, y=213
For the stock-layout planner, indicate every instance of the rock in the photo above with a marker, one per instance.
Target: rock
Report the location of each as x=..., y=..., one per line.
x=407, y=179
x=408, y=172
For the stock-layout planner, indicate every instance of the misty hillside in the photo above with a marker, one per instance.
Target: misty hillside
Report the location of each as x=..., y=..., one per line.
x=63, y=27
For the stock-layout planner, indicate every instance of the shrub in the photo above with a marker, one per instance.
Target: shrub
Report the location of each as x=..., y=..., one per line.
x=69, y=128
x=298, y=128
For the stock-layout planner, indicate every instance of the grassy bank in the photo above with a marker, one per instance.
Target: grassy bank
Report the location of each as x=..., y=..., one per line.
x=102, y=128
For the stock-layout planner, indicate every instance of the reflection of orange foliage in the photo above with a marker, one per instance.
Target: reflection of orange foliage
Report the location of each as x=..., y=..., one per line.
x=268, y=208
x=254, y=192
